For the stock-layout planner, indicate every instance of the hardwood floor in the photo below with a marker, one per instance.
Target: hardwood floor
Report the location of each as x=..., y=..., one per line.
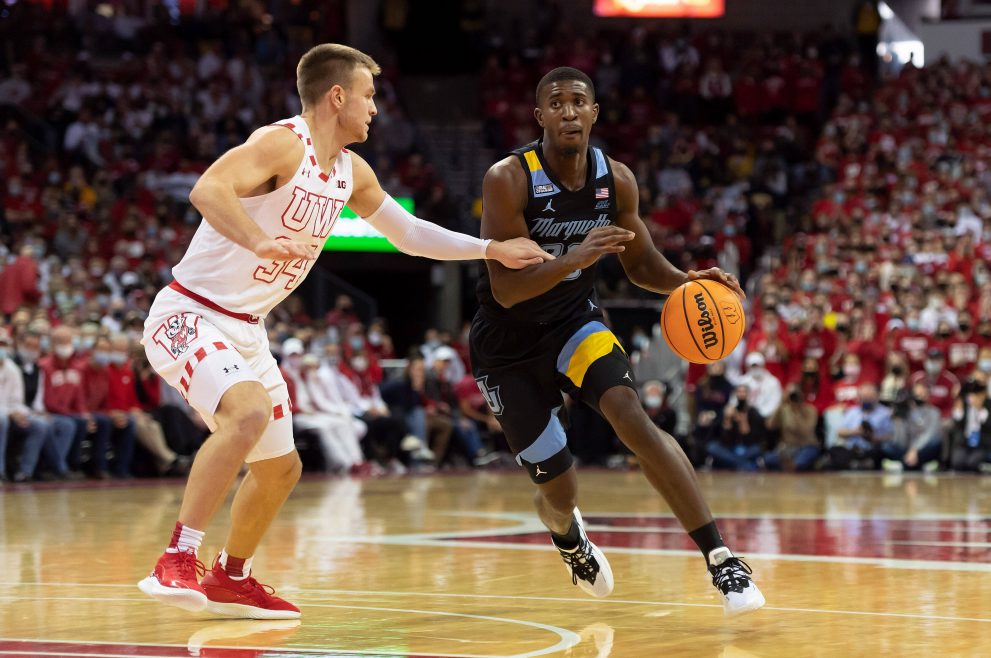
x=459, y=566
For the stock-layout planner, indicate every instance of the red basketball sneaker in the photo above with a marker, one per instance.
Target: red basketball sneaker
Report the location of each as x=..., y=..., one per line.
x=174, y=581
x=243, y=599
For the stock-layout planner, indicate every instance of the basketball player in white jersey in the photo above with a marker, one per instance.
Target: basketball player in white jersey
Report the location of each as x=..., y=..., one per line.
x=268, y=207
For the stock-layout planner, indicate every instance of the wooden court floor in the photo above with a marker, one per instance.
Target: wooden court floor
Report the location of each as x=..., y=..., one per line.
x=458, y=566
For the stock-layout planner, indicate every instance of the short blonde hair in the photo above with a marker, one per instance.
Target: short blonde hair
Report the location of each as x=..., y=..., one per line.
x=326, y=65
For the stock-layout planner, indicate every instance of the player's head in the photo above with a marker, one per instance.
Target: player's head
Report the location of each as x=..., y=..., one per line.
x=341, y=79
x=566, y=109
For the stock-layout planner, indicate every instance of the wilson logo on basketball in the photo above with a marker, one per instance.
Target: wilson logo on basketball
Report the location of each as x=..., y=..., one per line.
x=705, y=322
x=702, y=321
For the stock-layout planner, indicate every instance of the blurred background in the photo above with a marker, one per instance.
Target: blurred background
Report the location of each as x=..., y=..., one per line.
x=832, y=154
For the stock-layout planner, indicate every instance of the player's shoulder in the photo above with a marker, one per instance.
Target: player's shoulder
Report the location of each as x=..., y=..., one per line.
x=621, y=173
x=506, y=173
x=275, y=137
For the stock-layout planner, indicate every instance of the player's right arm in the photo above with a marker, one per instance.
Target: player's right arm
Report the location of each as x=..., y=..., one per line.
x=504, y=197
x=271, y=156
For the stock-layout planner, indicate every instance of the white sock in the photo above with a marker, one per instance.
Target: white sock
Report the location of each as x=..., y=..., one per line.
x=188, y=540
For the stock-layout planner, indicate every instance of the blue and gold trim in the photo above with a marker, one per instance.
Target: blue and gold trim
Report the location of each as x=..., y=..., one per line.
x=589, y=344
x=550, y=442
x=540, y=182
x=601, y=170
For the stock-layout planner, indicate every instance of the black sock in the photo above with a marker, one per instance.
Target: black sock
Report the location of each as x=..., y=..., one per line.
x=707, y=538
x=569, y=540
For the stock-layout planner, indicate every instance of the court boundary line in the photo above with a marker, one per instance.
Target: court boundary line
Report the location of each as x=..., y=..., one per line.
x=460, y=595
x=566, y=638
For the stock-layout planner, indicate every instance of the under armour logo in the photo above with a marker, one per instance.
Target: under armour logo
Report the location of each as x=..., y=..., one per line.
x=591, y=306
x=627, y=376
x=227, y=371
x=540, y=472
x=549, y=207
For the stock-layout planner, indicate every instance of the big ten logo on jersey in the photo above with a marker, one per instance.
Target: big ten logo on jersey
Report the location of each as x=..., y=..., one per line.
x=176, y=333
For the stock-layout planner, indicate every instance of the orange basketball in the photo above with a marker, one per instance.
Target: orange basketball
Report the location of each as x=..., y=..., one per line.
x=703, y=321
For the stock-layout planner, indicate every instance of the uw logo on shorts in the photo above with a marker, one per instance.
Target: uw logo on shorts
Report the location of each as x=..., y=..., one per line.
x=176, y=333
x=491, y=395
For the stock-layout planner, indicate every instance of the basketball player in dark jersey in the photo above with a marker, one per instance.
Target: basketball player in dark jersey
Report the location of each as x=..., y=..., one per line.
x=540, y=331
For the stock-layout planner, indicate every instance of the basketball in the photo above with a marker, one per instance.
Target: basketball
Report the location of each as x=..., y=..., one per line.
x=703, y=321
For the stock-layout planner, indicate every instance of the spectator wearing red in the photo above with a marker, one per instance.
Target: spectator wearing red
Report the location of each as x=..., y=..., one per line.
x=814, y=342
x=64, y=389
x=944, y=387
x=814, y=387
x=111, y=395
x=911, y=341
x=19, y=282
x=772, y=340
x=846, y=390
x=963, y=347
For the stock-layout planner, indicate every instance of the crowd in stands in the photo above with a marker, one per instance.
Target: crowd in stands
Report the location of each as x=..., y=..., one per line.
x=855, y=203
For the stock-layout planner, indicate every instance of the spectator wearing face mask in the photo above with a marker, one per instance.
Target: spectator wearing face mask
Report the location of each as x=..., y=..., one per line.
x=355, y=349
x=862, y=430
x=962, y=347
x=65, y=393
x=57, y=439
x=109, y=399
x=911, y=341
x=918, y=434
x=983, y=365
x=339, y=442
x=813, y=387
x=656, y=405
x=894, y=385
x=970, y=436
x=379, y=343
x=123, y=406
x=709, y=400
x=813, y=341
x=798, y=447
x=773, y=342
x=943, y=386
x=846, y=389
x=764, y=388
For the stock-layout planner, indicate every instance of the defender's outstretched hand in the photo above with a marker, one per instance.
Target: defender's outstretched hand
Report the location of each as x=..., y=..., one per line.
x=716, y=274
x=517, y=253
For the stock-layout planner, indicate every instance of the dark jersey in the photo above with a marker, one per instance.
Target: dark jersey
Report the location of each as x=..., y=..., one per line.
x=558, y=220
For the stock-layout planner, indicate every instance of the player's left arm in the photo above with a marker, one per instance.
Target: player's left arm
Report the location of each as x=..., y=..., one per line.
x=418, y=237
x=644, y=264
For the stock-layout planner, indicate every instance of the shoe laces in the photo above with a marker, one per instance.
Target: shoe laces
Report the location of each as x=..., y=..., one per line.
x=188, y=566
x=255, y=588
x=583, y=564
x=733, y=575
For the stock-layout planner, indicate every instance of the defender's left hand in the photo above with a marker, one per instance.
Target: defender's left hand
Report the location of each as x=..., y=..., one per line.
x=716, y=274
x=517, y=253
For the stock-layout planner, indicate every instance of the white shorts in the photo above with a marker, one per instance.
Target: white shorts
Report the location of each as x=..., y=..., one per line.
x=202, y=352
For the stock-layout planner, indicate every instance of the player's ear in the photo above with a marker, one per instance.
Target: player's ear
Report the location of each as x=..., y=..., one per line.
x=336, y=95
x=595, y=112
x=538, y=115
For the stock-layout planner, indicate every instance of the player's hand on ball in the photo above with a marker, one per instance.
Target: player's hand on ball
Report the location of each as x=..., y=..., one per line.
x=599, y=242
x=284, y=250
x=517, y=253
x=716, y=274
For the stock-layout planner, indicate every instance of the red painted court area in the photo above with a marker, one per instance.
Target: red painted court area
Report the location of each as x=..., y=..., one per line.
x=900, y=539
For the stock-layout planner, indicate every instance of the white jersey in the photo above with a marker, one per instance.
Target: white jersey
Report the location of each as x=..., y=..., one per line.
x=304, y=209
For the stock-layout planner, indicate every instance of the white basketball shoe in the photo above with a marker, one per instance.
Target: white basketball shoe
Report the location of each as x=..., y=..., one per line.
x=731, y=576
x=587, y=565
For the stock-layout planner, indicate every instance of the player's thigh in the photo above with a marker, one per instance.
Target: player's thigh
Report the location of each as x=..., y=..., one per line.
x=277, y=440
x=198, y=359
x=526, y=403
x=591, y=363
